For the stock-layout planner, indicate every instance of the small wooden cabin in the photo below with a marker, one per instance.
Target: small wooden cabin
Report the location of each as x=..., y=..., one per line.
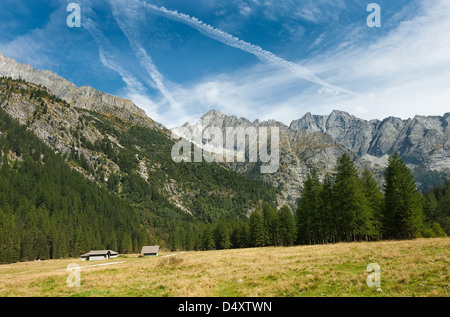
x=97, y=255
x=150, y=250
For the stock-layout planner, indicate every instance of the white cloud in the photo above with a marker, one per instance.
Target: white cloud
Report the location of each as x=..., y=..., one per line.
x=33, y=47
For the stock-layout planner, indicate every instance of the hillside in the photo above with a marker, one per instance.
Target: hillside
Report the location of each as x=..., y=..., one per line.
x=48, y=210
x=82, y=97
x=129, y=158
x=133, y=162
x=408, y=268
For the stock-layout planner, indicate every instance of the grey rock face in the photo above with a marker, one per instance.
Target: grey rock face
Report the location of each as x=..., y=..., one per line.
x=56, y=128
x=348, y=130
x=84, y=97
x=316, y=142
x=300, y=152
x=420, y=141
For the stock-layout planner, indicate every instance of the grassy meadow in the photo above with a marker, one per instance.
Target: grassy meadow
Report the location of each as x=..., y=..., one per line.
x=408, y=268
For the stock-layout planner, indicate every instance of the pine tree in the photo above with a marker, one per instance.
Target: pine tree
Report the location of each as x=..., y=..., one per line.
x=402, y=214
x=222, y=235
x=286, y=226
x=208, y=239
x=307, y=215
x=126, y=245
x=257, y=233
x=437, y=210
x=240, y=235
x=327, y=211
x=355, y=219
x=270, y=219
x=374, y=197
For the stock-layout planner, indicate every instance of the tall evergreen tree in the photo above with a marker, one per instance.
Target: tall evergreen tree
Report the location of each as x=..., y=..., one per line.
x=437, y=210
x=208, y=239
x=327, y=211
x=126, y=245
x=222, y=235
x=257, y=233
x=374, y=197
x=240, y=235
x=286, y=226
x=270, y=219
x=402, y=215
x=307, y=215
x=174, y=242
x=355, y=219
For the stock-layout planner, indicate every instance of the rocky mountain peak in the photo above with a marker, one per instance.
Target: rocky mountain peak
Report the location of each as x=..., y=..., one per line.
x=84, y=97
x=213, y=113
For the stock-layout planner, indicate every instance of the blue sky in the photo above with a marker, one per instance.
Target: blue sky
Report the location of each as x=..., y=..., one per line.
x=265, y=59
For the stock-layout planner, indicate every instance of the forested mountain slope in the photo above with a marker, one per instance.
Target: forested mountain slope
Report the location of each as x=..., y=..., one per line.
x=124, y=160
x=48, y=210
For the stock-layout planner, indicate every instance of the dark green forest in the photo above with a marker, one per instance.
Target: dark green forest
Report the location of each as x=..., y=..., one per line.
x=344, y=207
x=47, y=210
x=347, y=206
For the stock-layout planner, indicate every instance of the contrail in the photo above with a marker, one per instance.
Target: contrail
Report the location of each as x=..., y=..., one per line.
x=131, y=82
x=232, y=41
x=105, y=53
x=143, y=57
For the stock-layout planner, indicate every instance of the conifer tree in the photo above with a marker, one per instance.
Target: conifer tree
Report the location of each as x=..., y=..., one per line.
x=126, y=245
x=257, y=233
x=402, y=215
x=240, y=235
x=374, y=197
x=286, y=229
x=307, y=215
x=208, y=239
x=270, y=219
x=355, y=219
x=327, y=211
x=222, y=235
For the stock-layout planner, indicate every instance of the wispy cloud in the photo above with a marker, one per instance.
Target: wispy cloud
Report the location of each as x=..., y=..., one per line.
x=108, y=60
x=403, y=73
x=125, y=16
x=135, y=90
x=227, y=39
x=32, y=47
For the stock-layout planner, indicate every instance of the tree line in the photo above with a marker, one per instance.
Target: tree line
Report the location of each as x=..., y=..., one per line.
x=344, y=207
x=265, y=227
x=47, y=210
x=347, y=206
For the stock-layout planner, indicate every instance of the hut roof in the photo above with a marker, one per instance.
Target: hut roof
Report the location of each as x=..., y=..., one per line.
x=100, y=252
x=150, y=249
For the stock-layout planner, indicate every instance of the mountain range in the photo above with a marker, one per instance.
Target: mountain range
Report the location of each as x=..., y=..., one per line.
x=315, y=142
x=112, y=136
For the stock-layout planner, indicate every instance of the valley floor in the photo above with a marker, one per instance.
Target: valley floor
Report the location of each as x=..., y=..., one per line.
x=408, y=268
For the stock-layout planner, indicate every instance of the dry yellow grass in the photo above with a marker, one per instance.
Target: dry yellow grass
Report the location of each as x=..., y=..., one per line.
x=408, y=268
